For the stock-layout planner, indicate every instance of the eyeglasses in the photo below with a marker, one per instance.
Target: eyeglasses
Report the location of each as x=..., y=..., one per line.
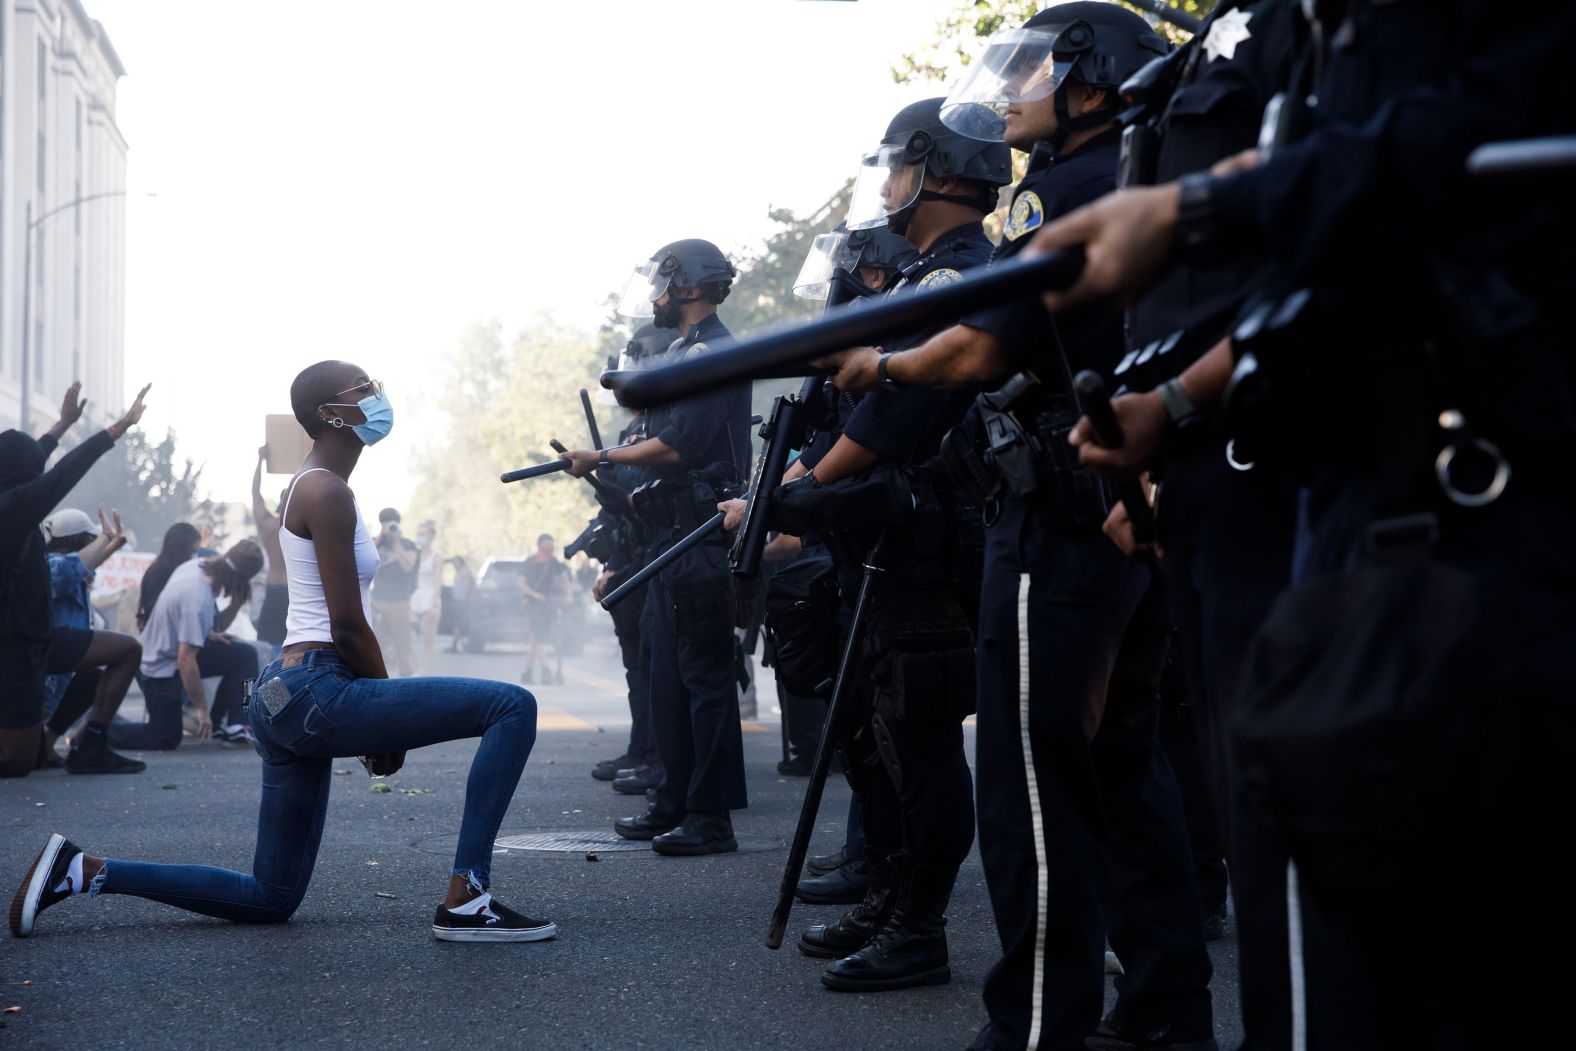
x=373, y=388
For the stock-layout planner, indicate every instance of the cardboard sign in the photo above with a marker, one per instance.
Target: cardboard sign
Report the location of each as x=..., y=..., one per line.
x=287, y=443
x=120, y=571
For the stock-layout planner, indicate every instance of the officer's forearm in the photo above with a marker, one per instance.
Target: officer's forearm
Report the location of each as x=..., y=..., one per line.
x=1205, y=381
x=653, y=452
x=845, y=459
x=951, y=358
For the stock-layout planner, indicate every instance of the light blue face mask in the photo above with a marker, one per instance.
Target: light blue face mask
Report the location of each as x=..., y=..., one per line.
x=380, y=418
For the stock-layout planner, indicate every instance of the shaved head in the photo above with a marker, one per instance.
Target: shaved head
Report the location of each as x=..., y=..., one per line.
x=316, y=385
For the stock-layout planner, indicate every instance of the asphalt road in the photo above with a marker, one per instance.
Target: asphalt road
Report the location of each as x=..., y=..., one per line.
x=652, y=952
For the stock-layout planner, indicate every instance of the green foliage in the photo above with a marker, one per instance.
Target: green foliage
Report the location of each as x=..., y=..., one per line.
x=504, y=404
x=141, y=479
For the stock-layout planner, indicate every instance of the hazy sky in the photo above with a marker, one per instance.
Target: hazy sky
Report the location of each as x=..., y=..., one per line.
x=359, y=179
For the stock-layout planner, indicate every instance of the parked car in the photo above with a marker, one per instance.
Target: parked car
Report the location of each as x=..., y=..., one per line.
x=496, y=612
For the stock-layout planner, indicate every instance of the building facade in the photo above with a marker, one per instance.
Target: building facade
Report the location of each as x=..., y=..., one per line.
x=62, y=186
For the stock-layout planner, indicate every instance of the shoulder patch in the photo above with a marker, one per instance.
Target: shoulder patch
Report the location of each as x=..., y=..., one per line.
x=1027, y=215
x=695, y=348
x=944, y=276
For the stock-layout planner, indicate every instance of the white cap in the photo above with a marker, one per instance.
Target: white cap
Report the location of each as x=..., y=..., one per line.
x=68, y=521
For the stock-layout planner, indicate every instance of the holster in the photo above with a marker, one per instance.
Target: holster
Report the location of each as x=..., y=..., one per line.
x=994, y=455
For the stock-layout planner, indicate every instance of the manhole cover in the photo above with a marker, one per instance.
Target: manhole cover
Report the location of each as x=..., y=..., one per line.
x=574, y=841
x=570, y=842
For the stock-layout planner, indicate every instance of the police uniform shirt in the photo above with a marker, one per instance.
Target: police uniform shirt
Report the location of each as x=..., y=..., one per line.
x=1235, y=68
x=708, y=428
x=908, y=424
x=1052, y=187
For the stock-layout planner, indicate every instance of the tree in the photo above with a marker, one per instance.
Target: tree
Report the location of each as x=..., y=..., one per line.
x=504, y=404
x=140, y=478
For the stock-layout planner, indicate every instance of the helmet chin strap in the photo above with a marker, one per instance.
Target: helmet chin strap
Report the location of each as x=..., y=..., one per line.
x=1066, y=123
x=899, y=220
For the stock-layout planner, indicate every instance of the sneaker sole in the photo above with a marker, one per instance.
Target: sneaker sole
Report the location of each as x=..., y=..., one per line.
x=24, y=906
x=493, y=934
x=723, y=846
x=939, y=976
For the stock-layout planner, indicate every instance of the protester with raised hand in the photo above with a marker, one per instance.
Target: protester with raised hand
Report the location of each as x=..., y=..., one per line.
x=29, y=644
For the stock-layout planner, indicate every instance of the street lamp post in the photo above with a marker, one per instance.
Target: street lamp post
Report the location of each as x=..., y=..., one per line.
x=27, y=289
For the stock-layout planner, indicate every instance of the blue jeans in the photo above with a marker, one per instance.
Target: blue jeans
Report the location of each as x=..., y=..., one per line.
x=331, y=714
x=163, y=697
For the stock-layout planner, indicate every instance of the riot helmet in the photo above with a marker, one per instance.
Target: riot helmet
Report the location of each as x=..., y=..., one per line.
x=691, y=263
x=891, y=179
x=859, y=261
x=646, y=345
x=1092, y=42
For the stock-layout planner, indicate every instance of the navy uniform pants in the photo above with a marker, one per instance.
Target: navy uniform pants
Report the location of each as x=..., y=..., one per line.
x=635, y=651
x=694, y=693
x=1228, y=542
x=1054, y=803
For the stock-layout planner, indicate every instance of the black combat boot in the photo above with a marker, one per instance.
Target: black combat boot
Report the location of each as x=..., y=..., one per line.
x=912, y=948
x=833, y=941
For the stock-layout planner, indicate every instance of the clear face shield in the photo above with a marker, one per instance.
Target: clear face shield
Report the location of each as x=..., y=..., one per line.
x=645, y=287
x=1018, y=66
x=887, y=183
x=828, y=252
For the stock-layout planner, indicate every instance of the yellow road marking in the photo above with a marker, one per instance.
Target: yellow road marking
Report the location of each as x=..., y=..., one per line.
x=551, y=718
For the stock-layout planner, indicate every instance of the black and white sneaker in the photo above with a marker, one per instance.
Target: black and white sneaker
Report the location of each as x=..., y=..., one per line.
x=37, y=892
x=493, y=922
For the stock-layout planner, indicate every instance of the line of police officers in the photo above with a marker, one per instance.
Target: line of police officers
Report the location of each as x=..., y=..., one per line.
x=1350, y=394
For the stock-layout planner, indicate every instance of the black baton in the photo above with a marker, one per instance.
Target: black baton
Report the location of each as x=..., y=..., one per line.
x=823, y=753
x=661, y=562
x=1096, y=404
x=585, y=403
x=768, y=353
x=534, y=471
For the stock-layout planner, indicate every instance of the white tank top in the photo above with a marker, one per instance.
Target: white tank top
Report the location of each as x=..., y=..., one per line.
x=308, y=619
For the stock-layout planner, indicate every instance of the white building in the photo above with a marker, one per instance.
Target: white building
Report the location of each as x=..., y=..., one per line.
x=59, y=144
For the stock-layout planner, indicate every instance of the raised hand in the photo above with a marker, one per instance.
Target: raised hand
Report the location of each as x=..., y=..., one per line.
x=132, y=416
x=70, y=407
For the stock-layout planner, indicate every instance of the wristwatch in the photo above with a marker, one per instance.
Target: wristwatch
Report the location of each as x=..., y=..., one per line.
x=1178, y=405
x=1197, y=232
x=601, y=458
x=882, y=379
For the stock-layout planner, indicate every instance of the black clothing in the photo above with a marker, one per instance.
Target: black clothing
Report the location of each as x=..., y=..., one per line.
x=1227, y=533
x=276, y=608
x=689, y=608
x=393, y=582
x=1434, y=670
x=906, y=426
x=1052, y=187
x=1067, y=825
x=1214, y=113
x=28, y=494
x=708, y=428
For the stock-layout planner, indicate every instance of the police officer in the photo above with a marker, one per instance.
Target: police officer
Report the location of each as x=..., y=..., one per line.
x=905, y=755
x=1226, y=523
x=1047, y=794
x=640, y=767
x=1404, y=726
x=694, y=450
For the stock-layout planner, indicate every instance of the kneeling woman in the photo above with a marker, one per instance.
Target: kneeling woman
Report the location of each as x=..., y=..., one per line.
x=327, y=695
